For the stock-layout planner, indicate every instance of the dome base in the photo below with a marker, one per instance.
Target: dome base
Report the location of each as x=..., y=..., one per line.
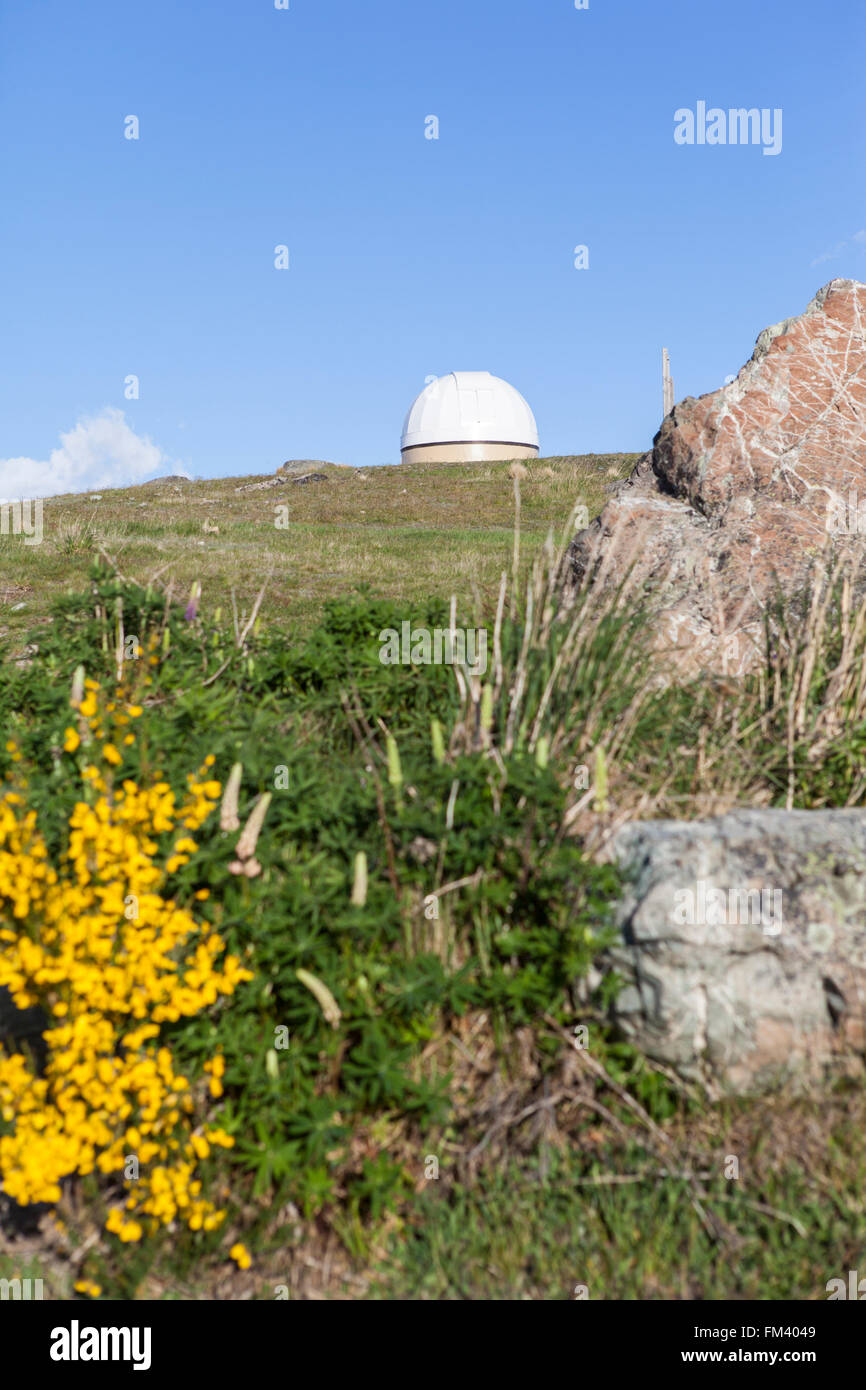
x=469, y=452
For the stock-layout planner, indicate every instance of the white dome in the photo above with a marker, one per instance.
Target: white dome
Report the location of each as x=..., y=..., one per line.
x=465, y=407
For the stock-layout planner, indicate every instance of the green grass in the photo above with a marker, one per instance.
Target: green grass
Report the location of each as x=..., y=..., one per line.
x=415, y=531
x=568, y=1232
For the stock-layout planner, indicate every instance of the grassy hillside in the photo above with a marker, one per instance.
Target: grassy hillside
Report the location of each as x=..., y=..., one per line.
x=410, y=531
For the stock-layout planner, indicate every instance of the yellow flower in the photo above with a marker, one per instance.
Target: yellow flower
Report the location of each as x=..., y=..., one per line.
x=109, y=982
x=87, y=1286
x=241, y=1256
x=71, y=741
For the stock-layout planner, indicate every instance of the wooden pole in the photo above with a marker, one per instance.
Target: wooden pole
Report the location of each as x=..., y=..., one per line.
x=667, y=383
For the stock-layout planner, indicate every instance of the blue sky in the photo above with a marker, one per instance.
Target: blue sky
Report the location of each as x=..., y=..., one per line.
x=409, y=257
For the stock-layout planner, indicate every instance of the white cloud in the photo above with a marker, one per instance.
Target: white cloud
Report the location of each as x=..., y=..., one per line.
x=100, y=452
x=837, y=250
x=830, y=255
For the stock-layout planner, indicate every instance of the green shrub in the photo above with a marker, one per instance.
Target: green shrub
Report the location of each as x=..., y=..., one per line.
x=401, y=962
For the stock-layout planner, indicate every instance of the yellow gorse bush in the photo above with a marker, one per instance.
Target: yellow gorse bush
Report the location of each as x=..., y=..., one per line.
x=100, y=944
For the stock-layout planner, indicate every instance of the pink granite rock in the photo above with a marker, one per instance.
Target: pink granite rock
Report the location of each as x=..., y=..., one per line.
x=744, y=487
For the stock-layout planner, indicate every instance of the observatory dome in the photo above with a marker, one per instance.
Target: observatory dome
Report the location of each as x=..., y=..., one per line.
x=465, y=417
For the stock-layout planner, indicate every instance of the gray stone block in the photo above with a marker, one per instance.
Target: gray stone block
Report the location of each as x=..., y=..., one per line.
x=743, y=946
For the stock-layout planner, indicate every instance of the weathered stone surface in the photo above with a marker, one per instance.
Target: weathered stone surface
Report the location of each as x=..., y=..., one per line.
x=773, y=992
x=743, y=486
x=295, y=466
